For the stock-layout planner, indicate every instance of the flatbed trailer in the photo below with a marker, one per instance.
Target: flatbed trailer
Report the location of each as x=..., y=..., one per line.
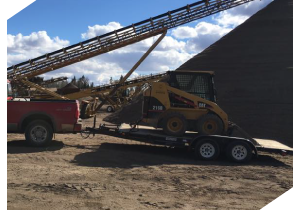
x=237, y=149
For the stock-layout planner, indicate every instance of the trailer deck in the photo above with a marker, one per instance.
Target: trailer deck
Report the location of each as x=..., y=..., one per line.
x=190, y=139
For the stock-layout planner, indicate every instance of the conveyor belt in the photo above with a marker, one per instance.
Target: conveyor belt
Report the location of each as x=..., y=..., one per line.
x=119, y=38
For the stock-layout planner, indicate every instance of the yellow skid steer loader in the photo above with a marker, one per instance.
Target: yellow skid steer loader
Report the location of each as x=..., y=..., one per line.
x=184, y=101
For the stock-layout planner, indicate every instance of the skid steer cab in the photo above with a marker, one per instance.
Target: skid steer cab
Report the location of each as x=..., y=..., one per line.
x=184, y=101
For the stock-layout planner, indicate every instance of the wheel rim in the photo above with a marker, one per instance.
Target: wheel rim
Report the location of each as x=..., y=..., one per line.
x=38, y=133
x=239, y=152
x=207, y=150
x=109, y=109
x=175, y=124
x=210, y=127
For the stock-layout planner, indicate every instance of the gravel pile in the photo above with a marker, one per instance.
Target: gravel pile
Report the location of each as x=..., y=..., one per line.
x=254, y=72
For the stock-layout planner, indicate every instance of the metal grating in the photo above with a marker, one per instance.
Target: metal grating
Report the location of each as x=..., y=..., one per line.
x=195, y=84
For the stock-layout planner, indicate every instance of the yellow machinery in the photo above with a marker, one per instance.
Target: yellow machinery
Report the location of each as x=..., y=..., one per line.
x=121, y=97
x=186, y=101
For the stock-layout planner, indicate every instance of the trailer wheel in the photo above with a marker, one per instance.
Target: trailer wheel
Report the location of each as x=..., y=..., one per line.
x=38, y=133
x=207, y=150
x=239, y=151
x=174, y=124
x=209, y=124
x=109, y=109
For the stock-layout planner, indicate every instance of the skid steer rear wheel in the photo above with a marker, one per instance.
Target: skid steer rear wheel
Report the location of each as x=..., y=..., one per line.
x=209, y=124
x=174, y=124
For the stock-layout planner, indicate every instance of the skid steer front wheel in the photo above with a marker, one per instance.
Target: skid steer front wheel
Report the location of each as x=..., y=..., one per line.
x=174, y=124
x=210, y=124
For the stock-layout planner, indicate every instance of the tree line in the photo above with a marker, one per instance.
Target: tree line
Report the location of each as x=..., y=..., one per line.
x=83, y=82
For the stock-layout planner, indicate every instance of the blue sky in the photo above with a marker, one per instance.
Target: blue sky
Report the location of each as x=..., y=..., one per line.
x=48, y=25
x=69, y=18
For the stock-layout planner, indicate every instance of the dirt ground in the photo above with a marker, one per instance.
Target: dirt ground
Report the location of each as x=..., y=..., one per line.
x=111, y=174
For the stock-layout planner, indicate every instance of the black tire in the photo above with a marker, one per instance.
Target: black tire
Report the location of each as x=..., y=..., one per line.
x=207, y=150
x=174, y=124
x=110, y=109
x=210, y=124
x=239, y=151
x=38, y=133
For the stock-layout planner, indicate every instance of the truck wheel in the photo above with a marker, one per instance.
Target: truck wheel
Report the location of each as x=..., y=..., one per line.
x=109, y=109
x=38, y=133
x=209, y=124
x=239, y=151
x=207, y=150
x=174, y=124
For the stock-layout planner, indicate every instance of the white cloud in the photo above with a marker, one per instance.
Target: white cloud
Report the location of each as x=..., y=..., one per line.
x=226, y=19
x=184, y=32
x=176, y=48
x=237, y=15
x=204, y=28
x=95, y=69
x=36, y=41
x=207, y=33
x=21, y=48
x=97, y=30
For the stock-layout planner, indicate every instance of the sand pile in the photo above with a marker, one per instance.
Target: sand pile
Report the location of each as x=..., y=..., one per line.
x=254, y=72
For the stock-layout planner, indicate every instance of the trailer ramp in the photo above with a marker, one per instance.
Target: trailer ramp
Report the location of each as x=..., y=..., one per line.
x=269, y=145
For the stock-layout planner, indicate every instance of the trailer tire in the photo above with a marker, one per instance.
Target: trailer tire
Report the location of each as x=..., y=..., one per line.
x=207, y=149
x=38, y=133
x=210, y=124
x=174, y=124
x=239, y=151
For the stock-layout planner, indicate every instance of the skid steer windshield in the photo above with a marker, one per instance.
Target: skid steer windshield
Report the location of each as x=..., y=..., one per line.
x=199, y=84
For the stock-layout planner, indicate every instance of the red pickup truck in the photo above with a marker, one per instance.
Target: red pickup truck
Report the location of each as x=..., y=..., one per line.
x=39, y=119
